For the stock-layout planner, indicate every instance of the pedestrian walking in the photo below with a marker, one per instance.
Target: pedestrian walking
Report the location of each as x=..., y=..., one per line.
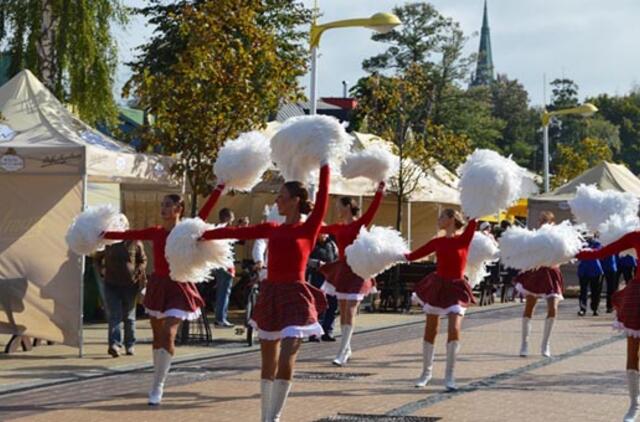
x=324, y=252
x=590, y=278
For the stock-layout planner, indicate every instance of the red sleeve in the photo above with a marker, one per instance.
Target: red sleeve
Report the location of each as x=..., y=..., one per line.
x=142, y=234
x=211, y=202
x=259, y=231
x=628, y=241
x=467, y=236
x=322, y=200
x=367, y=217
x=424, y=250
x=332, y=229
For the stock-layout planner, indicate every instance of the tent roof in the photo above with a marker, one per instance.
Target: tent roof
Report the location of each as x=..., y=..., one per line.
x=43, y=136
x=605, y=176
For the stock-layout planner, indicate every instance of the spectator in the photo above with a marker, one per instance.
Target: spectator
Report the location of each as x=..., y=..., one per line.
x=122, y=267
x=610, y=268
x=224, y=279
x=325, y=251
x=626, y=267
x=590, y=277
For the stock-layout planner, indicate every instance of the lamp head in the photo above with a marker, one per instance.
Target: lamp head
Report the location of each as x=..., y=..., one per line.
x=587, y=109
x=383, y=22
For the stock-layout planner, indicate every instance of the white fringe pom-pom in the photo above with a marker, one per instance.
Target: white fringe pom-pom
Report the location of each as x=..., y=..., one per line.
x=593, y=207
x=375, y=250
x=490, y=182
x=273, y=214
x=550, y=245
x=191, y=260
x=617, y=226
x=482, y=251
x=242, y=162
x=303, y=143
x=375, y=163
x=84, y=236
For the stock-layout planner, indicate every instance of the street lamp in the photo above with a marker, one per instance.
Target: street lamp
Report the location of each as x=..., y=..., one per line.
x=380, y=22
x=585, y=110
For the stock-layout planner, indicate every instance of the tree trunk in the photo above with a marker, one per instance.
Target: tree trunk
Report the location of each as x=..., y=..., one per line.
x=45, y=45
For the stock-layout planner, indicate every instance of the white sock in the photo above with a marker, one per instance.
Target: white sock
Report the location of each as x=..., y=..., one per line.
x=526, y=331
x=428, y=352
x=632, y=384
x=279, y=394
x=449, y=378
x=546, y=337
x=266, y=389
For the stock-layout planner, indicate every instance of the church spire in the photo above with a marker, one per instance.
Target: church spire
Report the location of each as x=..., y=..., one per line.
x=484, y=67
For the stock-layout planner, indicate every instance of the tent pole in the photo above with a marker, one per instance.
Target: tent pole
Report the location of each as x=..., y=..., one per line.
x=85, y=180
x=409, y=223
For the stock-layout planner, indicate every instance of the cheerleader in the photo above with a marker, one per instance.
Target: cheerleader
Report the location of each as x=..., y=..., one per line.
x=167, y=302
x=627, y=306
x=287, y=306
x=445, y=292
x=543, y=282
x=342, y=282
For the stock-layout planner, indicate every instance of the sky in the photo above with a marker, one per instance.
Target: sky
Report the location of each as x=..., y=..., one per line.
x=593, y=42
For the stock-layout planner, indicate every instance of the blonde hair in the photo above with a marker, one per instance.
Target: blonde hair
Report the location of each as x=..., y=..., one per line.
x=456, y=215
x=547, y=217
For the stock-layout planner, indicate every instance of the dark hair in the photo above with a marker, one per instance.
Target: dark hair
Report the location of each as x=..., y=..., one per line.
x=225, y=214
x=547, y=217
x=297, y=190
x=455, y=214
x=348, y=201
x=177, y=200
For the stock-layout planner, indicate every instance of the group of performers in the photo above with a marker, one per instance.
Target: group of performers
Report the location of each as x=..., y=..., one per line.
x=288, y=307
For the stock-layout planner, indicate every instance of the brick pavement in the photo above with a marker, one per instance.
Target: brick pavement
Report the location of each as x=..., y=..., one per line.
x=583, y=382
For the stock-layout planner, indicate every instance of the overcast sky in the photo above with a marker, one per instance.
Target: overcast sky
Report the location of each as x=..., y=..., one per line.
x=593, y=42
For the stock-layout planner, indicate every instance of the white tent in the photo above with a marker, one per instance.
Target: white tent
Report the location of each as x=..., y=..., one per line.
x=48, y=160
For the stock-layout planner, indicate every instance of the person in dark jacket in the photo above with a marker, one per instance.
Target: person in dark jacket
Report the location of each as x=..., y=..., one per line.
x=324, y=252
x=626, y=267
x=610, y=268
x=590, y=276
x=123, y=269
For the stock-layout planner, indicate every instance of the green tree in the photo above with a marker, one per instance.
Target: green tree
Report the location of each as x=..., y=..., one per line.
x=226, y=73
x=572, y=161
x=69, y=46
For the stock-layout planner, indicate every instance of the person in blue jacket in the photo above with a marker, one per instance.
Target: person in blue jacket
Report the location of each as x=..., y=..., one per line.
x=627, y=267
x=590, y=276
x=610, y=268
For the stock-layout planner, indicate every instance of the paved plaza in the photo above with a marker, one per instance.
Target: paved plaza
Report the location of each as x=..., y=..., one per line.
x=584, y=381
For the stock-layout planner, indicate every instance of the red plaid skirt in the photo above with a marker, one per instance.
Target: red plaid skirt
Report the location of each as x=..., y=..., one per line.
x=543, y=282
x=627, y=305
x=165, y=297
x=281, y=305
x=450, y=296
x=344, y=280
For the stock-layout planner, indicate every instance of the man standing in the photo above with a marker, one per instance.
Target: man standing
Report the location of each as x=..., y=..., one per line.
x=610, y=268
x=122, y=267
x=324, y=252
x=590, y=277
x=224, y=279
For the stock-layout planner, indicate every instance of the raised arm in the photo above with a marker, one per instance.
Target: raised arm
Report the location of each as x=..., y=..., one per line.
x=142, y=234
x=367, y=217
x=322, y=199
x=424, y=250
x=627, y=241
x=211, y=202
x=467, y=235
x=259, y=231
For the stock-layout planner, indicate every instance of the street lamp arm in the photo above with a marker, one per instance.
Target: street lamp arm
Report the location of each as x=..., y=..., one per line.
x=381, y=22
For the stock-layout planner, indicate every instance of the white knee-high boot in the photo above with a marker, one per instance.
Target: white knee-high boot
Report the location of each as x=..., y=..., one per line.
x=632, y=382
x=266, y=388
x=428, y=351
x=161, y=364
x=449, y=378
x=526, y=331
x=345, y=346
x=546, y=337
x=279, y=394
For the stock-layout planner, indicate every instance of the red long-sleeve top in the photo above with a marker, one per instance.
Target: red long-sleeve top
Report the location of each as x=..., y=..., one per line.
x=345, y=234
x=158, y=235
x=289, y=245
x=451, y=252
x=628, y=241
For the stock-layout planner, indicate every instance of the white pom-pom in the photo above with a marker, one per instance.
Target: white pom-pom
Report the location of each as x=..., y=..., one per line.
x=375, y=163
x=482, y=251
x=303, y=143
x=617, y=226
x=375, y=250
x=273, y=214
x=489, y=183
x=191, y=260
x=84, y=236
x=241, y=162
x=593, y=207
x=550, y=245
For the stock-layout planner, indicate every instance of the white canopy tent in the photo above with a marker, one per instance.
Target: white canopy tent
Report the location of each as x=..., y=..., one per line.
x=48, y=161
